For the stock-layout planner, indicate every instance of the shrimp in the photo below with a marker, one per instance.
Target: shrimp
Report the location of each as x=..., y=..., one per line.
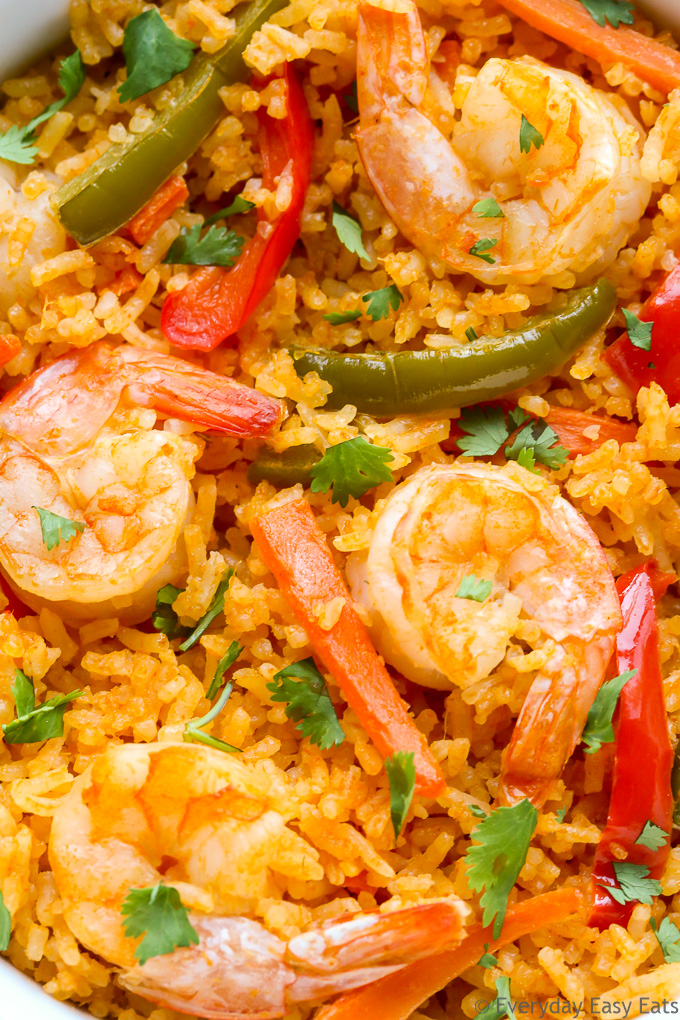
x=512, y=528
x=217, y=829
x=36, y=231
x=71, y=445
x=568, y=206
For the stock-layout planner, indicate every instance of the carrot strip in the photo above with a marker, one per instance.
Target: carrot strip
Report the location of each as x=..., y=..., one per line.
x=10, y=346
x=569, y=426
x=129, y=278
x=569, y=22
x=295, y=550
x=169, y=197
x=397, y=996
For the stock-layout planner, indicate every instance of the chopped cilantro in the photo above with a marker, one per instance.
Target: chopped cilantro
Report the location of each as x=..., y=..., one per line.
x=227, y=660
x=503, y=840
x=481, y=248
x=652, y=836
x=639, y=332
x=475, y=588
x=349, y=231
x=238, y=206
x=560, y=814
x=56, y=529
x=5, y=925
x=351, y=468
x=33, y=725
x=616, y=12
x=217, y=247
x=380, y=301
x=598, y=729
x=471, y=334
x=193, y=732
x=488, y=208
x=502, y=1004
x=487, y=960
x=303, y=690
x=528, y=136
x=338, y=318
x=153, y=55
x=157, y=913
x=165, y=618
x=486, y=431
x=477, y=811
x=635, y=885
x=214, y=609
x=668, y=937
x=401, y=772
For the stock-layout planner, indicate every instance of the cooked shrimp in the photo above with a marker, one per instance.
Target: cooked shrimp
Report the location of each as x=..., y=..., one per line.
x=510, y=527
x=568, y=206
x=35, y=232
x=217, y=830
x=71, y=445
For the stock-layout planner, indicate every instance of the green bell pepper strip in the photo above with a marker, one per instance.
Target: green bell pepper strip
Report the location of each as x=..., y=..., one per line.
x=286, y=468
x=109, y=193
x=409, y=382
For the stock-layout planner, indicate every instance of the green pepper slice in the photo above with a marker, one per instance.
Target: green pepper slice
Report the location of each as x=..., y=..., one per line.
x=111, y=191
x=409, y=382
x=284, y=469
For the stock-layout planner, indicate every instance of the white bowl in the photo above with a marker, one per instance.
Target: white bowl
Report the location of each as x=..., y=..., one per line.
x=28, y=28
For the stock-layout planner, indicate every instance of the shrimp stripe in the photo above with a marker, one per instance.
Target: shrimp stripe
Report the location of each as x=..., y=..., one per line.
x=295, y=550
x=397, y=996
x=569, y=21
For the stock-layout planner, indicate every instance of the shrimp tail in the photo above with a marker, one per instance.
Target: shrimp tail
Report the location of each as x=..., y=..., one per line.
x=241, y=971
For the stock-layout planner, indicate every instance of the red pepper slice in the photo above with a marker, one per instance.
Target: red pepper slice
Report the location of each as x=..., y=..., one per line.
x=217, y=302
x=643, y=757
x=632, y=363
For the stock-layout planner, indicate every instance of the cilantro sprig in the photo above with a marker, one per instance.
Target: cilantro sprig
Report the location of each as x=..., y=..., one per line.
x=217, y=247
x=238, y=206
x=652, y=836
x=481, y=248
x=165, y=618
x=379, y=303
x=56, y=529
x=487, y=429
x=634, y=884
x=476, y=588
x=338, y=318
x=502, y=1004
x=616, y=12
x=494, y=863
x=668, y=937
x=35, y=724
x=153, y=55
x=598, y=729
x=487, y=959
x=528, y=136
x=157, y=913
x=401, y=773
x=349, y=231
x=302, y=689
x=228, y=659
x=351, y=468
x=639, y=332
x=193, y=730
x=17, y=144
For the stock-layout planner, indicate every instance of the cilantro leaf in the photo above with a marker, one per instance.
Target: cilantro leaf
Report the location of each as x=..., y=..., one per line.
x=238, y=206
x=487, y=960
x=540, y=439
x=228, y=659
x=481, y=247
x=165, y=618
x=668, y=937
x=16, y=145
x=351, y=468
x=502, y=1004
x=497, y=859
x=477, y=811
x=5, y=925
x=380, y=301
x=214, y=609
x=652, y=836
x=401, y=772
x=560, y=814
x=303, y=690
x=218, y=247
x=471, y=587
x=486, y=428
x=192, y=730
x=153, y=55
x=488, y=208
x=33, y=725
x=351, y=99
x=337, y=318
x=598, y=729
x=525, y=458
x=528, y=136
x=56, y=529
x=349, y=231
x=471, y=334
x=634, y=884
x=72, y=76
x=157, y=913
x=639, y=332
x=616, y=12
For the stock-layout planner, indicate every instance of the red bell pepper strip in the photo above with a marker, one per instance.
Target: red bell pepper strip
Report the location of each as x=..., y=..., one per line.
x=296, y=551
x=217, y=302
x=632, y=363
x=167, y=199
x=643, y=757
